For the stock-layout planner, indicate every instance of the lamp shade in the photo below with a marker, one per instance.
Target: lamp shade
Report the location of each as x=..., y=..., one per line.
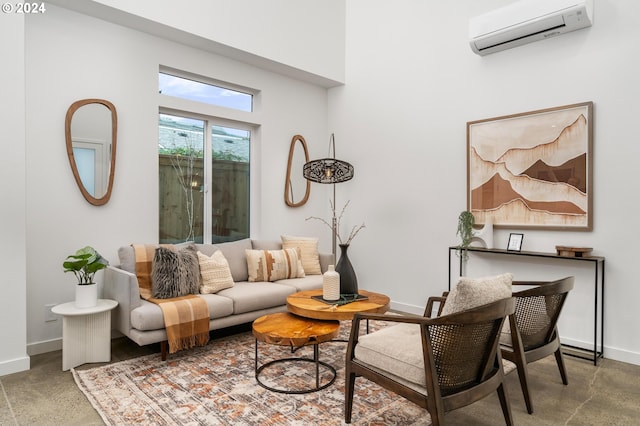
x=327, y=170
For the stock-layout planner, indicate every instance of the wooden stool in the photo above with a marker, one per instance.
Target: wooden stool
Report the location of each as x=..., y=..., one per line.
x=285, y=329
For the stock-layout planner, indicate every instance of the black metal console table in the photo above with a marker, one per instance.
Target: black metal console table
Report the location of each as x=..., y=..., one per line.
x=598, y=281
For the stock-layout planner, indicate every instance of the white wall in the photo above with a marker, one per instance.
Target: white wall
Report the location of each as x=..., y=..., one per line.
x=70, y=56
x=412, y=83
x=308, y=35
x=300, y=39
x=13, y=332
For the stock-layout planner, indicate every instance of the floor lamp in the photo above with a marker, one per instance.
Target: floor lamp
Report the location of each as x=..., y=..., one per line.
x=329, y=170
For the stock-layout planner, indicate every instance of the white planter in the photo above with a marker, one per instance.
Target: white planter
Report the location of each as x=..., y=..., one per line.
x=86, y=295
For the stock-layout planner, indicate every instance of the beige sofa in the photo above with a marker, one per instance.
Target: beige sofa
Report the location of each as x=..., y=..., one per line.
x=143, y=322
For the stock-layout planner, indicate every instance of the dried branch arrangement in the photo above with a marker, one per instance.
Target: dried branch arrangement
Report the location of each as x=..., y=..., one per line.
x=354, y=230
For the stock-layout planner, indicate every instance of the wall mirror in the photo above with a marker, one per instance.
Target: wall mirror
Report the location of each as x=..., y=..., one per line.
x=91, y=130
x=296, y=187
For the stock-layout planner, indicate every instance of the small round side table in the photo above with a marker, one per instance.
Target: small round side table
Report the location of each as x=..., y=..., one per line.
x=286, y=329
x=86, y=333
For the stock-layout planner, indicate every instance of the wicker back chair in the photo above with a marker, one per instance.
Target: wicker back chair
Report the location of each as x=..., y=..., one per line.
x=533, y=332
x=456, y=358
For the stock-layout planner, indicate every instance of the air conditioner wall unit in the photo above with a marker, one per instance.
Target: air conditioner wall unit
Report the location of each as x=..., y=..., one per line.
x=526, y=21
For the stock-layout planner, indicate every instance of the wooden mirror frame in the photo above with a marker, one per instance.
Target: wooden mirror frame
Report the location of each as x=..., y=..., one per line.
x=69, y=141
x=288, y=198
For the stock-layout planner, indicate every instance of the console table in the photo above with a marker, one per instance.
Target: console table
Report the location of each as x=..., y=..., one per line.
x=598, y=288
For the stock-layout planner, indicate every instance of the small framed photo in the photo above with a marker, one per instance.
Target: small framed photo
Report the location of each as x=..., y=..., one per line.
x=515, y=242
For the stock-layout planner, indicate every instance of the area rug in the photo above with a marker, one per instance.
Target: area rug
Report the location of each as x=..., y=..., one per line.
x=216, y=385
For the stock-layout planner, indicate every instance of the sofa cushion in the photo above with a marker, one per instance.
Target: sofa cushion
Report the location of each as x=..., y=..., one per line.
x=127, y=259
x=175, y=273
x=308, y=252
x=472, y=292
x=309, y=282
x=215, y=274
x=274, y=265
x=249, y=297
x=148, y=316
x=233, y=251
x=266, y=245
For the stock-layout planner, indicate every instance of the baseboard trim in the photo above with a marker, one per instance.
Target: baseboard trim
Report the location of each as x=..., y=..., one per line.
x=15, y=365
x=45, y=346
x=404, y=307
x=622, y=355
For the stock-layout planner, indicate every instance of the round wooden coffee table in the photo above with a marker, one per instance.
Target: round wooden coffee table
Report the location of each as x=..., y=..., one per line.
x=286, y=329
x=304, y=305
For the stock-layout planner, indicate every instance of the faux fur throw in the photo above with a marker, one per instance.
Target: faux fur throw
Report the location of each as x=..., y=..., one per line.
x=186, y=317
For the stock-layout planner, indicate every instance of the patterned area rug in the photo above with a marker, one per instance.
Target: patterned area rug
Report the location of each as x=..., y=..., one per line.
x=216, y=385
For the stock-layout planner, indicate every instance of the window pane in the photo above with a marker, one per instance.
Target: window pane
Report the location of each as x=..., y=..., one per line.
x=201, y=92
x=230, y=183
x=181, y=157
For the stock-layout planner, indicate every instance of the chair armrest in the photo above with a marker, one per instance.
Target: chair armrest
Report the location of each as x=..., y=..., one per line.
x=428, y=310
x=529, y=283
x=121, y=286
x=543, y=288
x=408, y=318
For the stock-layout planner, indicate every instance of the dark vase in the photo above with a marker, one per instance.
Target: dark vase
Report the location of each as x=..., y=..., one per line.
x=348, y=279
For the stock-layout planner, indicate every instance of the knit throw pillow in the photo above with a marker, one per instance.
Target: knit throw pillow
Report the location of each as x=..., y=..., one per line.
x=474, y=292
x=215, y=274
x=175, y=273
x=308, y=252
x=273, y=265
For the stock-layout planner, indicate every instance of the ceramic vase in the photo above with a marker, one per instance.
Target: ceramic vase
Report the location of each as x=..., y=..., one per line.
x=484, y=236
x=86, y=295
x=348, y=279
x=331, y=284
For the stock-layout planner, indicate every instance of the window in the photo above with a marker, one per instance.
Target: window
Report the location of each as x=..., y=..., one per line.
x=181, y=169
x=194, y=207
x=186, y=88
x=204, y=169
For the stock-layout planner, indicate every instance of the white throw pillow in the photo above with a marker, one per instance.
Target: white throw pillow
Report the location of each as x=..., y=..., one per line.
x=308, y=252
x=215, y=274
x=473, y=292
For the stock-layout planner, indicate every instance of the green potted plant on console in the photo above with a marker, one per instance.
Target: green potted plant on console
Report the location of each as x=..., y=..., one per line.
x=84, y=264
x=466, y=221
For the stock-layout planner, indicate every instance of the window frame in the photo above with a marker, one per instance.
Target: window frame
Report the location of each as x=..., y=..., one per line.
x=255, y=94
x=215, y=115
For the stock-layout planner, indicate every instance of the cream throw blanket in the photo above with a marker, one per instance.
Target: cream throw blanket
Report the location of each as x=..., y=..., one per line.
x=186, y=318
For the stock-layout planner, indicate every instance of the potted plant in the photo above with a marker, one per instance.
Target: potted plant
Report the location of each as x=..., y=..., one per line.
x=84, y=264
x=466, y=221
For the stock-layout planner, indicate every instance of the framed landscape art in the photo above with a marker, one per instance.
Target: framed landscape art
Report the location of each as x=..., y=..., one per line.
x=532, y=170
